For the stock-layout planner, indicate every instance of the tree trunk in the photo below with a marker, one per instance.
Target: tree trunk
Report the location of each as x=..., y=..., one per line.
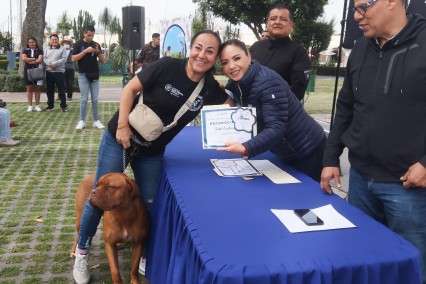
x=33, y=25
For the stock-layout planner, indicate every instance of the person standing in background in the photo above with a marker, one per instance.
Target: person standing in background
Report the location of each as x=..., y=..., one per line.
x=280, y=53
x=54, y=59
x=87, y=52
x=151, y=51
x=265, y=35
x=32, y=55
x=69, y=67
x=168, y=52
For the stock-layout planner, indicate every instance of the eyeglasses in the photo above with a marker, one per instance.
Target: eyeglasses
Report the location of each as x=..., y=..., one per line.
x=362, y=9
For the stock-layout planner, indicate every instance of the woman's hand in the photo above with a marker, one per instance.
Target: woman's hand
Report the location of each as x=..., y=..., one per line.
x=123, y=135
x=233, y=147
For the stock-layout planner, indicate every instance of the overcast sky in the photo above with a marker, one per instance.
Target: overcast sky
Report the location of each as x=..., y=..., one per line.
x=154, y=10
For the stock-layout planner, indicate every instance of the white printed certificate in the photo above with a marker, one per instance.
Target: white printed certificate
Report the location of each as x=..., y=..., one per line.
x=222, y=124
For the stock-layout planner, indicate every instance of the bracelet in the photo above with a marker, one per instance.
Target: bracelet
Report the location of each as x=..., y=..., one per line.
x=245, y=153
x=121, y=127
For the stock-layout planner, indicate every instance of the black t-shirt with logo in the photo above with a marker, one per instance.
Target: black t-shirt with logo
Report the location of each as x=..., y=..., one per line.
x=166, y=88
x=89, y=62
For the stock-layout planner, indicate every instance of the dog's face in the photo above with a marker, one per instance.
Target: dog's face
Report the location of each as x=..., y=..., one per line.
x=114, y=191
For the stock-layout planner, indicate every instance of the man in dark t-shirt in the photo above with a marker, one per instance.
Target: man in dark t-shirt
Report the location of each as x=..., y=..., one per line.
x=151, y=51
x=86, y=53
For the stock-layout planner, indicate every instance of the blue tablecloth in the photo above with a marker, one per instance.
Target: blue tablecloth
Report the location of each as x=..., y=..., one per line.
x=211, y=229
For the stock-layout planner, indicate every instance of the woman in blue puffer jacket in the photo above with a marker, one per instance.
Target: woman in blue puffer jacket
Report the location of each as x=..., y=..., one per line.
x=283, y=125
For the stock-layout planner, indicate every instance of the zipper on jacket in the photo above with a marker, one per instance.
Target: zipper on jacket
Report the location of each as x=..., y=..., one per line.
x=370, y=158
x=241, y=95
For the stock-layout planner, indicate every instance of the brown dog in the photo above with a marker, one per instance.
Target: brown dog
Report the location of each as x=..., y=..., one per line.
x=125, y=217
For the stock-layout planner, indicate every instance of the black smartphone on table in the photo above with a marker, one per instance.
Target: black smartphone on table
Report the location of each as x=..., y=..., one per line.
x=309, y=217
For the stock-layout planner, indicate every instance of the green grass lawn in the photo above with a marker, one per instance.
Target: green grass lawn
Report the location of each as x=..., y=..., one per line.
x=38, y=180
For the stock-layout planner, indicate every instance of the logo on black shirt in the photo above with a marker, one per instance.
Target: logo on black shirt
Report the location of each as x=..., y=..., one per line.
x=173, y=91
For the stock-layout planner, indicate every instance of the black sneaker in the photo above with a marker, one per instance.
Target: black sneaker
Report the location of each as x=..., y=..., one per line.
x=48, y=109
x=64, y=110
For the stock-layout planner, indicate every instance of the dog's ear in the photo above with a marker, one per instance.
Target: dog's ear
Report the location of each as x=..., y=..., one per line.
x=134, y=187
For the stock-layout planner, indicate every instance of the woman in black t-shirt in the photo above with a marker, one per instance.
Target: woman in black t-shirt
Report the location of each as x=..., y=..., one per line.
x=32, y=56
x=166, y=85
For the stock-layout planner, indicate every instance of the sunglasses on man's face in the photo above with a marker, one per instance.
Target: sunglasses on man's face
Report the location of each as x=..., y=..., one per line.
x=362, y=9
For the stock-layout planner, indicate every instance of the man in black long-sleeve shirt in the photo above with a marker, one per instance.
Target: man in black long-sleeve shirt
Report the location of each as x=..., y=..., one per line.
x=281, y=54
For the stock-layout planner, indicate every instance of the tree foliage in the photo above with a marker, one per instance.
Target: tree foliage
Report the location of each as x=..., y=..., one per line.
x=202, y=19
x=119, y=59
x=64, y=24
x=253, y=12
x=231, y=32
x=105, y=19
x=110, y=23
x=5, y=42
x=115, y=29
x=314, y=36
x=84, y=19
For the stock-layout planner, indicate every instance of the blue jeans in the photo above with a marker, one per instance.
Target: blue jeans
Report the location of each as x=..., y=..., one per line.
x=85, y=87
x=147, y=171
x=401, y=210
x=4, y=124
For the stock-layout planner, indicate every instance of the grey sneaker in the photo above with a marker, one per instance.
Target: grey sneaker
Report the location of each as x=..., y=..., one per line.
x=81, y=271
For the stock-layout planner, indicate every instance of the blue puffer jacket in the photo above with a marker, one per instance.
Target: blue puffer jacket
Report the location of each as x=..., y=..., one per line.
x=283, y=125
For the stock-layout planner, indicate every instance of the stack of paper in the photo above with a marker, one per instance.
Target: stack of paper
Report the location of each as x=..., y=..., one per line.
x=247, y=168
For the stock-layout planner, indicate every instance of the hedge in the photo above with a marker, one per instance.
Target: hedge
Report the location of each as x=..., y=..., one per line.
x=328, y=70
x=13, y=82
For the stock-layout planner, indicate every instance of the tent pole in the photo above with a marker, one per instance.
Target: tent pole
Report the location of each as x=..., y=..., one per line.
x=339, y=60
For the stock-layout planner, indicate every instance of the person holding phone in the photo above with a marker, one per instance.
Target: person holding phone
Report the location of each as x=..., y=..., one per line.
x=87, y=53
x=284, y=127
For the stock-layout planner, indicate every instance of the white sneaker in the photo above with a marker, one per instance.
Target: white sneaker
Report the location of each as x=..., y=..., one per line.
x=98, y=124
x=37, y=108
x=80, y=125
x=81, y=271
x=30, y=109
x=142, y=265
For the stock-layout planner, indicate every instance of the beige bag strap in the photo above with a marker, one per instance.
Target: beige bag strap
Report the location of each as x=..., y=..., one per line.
x=184, y=108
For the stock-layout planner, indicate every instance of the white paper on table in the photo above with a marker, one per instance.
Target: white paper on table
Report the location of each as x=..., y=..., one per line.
x=234, y=167
x=274, y=173
x=332, y=220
